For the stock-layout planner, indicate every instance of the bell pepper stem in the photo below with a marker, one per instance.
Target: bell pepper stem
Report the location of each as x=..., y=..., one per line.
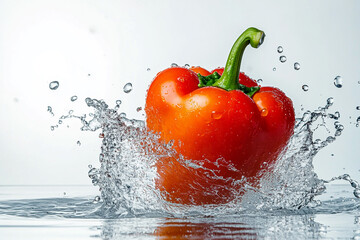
x=230, y=77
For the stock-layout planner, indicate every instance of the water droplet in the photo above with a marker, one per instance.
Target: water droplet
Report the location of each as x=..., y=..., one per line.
x=173, y=65
x=330, y=101
x=264, y=112
x=170, y=144
x=187, y=65
x=71, y=112
x=52, y=128
x=274, y=69
x=357, y=107
x=74, y=98
x=138, y=109
x=338, y=82
x=122, y=115
x=128, y=87
x=216, y=115
x=357, y=192
x=354, y=184
x=49, y=109
x=339, y=127
x=60, y=121
x=148, y=69
x=305, y=87
x=280, y=49
x=337, y=115
x=338, y=133
x=96, y=199
x=78, y=143
x=54, y=85
x=90, y=166
x=282, y=59
x=296, y=66
x=259, y=81
x=89, y=101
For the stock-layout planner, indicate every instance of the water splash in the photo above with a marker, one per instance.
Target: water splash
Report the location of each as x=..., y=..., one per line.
x=126, y=177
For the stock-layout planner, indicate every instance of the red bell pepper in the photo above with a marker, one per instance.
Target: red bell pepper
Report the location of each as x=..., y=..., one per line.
x=223, y=130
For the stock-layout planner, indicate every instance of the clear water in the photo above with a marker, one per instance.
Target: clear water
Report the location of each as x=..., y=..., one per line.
x=291, y=202
x=45, y=212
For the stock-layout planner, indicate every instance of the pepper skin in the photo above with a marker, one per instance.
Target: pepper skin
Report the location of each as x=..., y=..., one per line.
x=222, y=132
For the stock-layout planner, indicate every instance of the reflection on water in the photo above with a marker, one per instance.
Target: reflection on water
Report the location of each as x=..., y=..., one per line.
x=70, y=216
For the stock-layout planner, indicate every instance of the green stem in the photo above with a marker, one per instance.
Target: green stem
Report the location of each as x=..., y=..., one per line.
x=230, y=78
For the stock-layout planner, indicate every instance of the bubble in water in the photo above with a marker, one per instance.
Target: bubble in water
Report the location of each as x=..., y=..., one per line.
x=128, y=87
x=173, y=65
x=187, y=65
x=74, y=98
x=118, y=102
x=71, y=112
x=259, y=81
x=96, y=199
x=280, y=49
x=60, y=121
x=101, y=135
x=148, y=69
x=54, y=85
x=296, y=66
x=274, y=69
x=338, y=82
x=357, y=107
x=90, y=166
x=216, y=115
x=78, y=143
x=282, y=59
x=138, y=109
x=305, y=87
x=52, y=128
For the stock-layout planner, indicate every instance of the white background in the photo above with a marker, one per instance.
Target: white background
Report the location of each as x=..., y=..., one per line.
x=93, y=48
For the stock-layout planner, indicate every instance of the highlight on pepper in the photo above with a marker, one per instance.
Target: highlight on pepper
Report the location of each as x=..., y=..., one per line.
x=224, y=126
